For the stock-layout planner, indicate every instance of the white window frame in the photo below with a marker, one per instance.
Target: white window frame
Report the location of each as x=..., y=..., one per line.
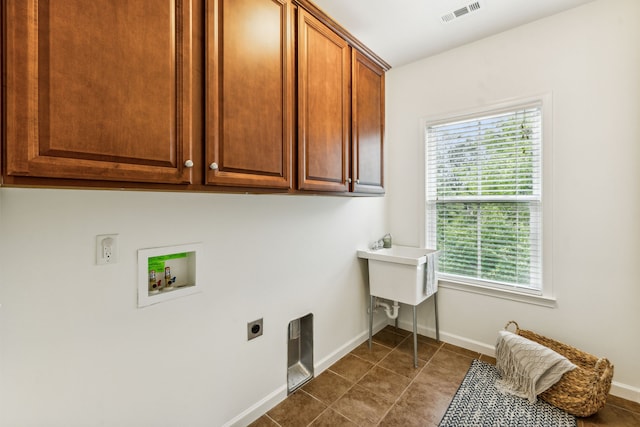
x=544, y=296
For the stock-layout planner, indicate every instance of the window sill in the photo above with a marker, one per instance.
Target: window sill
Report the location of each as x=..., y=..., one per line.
x=540, y=300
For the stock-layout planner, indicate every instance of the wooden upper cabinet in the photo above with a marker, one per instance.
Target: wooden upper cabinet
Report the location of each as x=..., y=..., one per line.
x=249, y=93
x=324, y=113
x=99, y=90
x=367, y=125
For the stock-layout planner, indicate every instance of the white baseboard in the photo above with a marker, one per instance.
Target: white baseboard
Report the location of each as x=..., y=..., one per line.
x=255, y=411
x=272, y=399
x=463, y=342
x=625, y=391
x=618, y=389
x=322, y=365
x=469, y=344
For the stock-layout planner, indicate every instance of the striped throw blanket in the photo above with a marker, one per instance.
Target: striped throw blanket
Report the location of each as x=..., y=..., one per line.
x=526, y=367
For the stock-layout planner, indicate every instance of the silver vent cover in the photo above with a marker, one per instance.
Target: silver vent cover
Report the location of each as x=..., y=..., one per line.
x=460, y=12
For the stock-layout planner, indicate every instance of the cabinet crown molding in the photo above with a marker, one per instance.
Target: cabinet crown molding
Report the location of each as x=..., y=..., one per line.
x=342, y=32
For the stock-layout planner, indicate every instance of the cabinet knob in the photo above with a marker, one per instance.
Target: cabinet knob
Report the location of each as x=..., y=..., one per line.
x=348, y=180
x=188, y=163
x=213, y=166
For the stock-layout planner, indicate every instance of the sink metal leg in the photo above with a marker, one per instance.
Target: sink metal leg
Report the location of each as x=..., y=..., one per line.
x=415, y=337
x=435, y=306
x=371, y=303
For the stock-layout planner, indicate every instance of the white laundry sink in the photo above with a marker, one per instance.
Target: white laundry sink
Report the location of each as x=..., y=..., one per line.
x=399, y=273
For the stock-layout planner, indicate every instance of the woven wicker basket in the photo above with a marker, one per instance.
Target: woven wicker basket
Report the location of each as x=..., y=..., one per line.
x=582, y=391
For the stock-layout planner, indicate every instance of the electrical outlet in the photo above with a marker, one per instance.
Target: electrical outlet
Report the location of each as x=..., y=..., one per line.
x=106, y=249
x=254, y=329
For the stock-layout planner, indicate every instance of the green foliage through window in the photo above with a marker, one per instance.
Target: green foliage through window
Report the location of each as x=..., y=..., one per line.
x=484, y=197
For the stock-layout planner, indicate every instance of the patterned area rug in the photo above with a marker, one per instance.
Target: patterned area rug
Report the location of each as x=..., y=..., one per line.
x=478, y=403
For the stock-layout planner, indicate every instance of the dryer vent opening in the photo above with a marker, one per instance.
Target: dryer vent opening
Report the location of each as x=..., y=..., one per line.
x=299, y=352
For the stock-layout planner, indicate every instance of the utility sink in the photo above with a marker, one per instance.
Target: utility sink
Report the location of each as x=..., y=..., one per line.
x=399, y=273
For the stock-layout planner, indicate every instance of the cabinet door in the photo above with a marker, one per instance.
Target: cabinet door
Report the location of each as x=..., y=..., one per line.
x=324, y=73
x=99, y=90
x=249, y=93
x=367, y=125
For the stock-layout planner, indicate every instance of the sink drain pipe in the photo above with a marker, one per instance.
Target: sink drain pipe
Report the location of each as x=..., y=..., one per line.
x=392, y=312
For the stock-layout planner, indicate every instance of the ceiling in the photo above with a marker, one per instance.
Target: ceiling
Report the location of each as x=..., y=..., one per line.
x=403, y=31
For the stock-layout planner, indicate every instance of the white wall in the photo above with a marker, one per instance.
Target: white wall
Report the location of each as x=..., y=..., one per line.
x=589, y=59
x=76, y=351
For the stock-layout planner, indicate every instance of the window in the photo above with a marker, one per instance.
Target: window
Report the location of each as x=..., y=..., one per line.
x=484, y=198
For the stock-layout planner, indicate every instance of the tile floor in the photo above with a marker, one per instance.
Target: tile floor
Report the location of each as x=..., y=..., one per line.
x=380, y=387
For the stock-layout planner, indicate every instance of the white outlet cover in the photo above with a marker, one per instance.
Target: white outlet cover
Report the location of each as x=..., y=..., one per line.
x=106, y=249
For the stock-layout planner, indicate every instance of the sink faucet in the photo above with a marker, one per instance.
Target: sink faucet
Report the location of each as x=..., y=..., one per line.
x=383, y=242
x=378, y=244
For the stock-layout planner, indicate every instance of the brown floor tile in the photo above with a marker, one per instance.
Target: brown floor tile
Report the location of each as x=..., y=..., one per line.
x=611, y=416
x=460, y=350
x=425, y=393
x=398, y=331
x=452, y=365
x=299, y=409
x=423, y=402
x=376, y=354
x=327, y=387
x=438, y=380
x=401, y=363
x=425, y=349
x=362, y=406
x=429, y=340
x=331, y=418
x=623, y=403
x=388, y=338
x=384, y=383
x=351, y=367
x=264, y=421
x=488, y=359
x=400, y=417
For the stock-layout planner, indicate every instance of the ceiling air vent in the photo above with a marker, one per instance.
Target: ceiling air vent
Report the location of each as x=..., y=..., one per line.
x=458, y=13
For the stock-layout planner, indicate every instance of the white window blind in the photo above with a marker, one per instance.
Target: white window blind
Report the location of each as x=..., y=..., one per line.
x=484, y=198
